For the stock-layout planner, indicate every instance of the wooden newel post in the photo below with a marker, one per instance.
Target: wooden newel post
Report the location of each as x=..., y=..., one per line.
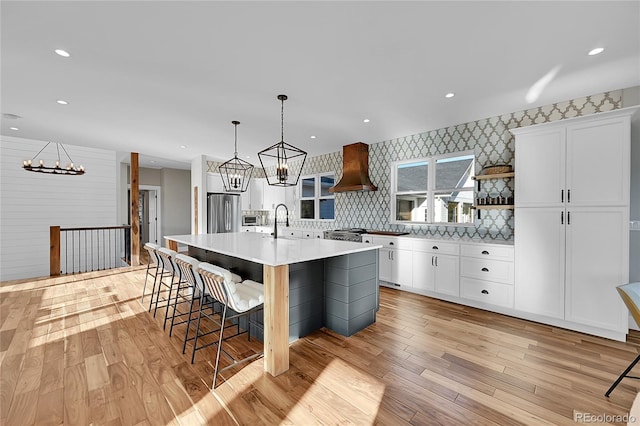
x=54, y=251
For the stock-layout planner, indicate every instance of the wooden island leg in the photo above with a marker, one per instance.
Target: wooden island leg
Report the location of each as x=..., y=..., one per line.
x=276, y=319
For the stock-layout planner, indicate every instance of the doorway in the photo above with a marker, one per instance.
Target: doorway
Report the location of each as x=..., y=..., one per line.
x=149, y=214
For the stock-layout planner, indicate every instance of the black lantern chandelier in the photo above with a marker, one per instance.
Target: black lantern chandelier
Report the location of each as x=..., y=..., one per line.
x=236, y=172
x=279, y=156
x=68, y=169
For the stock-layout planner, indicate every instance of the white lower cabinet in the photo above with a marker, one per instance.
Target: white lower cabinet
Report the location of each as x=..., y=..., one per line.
x=569, y=262
x=395, y=264
x=540, y=262
x=446, y=274
x=436, y=267
x=487, y=274
x=487, y=292
x=596, y=256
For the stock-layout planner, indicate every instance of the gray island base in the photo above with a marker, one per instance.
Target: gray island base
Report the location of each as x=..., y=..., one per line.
x=308, y=284
x=339, y=292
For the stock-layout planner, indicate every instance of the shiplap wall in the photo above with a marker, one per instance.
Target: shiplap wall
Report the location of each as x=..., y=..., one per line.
x=32, y=202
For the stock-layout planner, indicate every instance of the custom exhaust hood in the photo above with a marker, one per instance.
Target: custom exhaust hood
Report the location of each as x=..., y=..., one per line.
x=355, y=169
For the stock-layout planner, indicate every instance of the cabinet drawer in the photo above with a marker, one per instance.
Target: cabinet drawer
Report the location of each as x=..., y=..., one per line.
x=392, y=242
x=487, y=292
x=435, y=246
x=484, y=269
x=486, y=251
x=318, y=234
x=294, y=233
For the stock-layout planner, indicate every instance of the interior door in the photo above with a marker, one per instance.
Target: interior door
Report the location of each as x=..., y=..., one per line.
x=153, y=217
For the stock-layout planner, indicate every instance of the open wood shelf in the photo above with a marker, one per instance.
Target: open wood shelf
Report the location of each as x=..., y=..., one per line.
x=495, y=176
x=495, y=206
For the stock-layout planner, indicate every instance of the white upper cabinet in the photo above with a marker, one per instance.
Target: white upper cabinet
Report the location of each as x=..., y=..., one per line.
x=214, y=182
x=581, y=163
x=598, y=163
x=540, y=164
x=264, y=196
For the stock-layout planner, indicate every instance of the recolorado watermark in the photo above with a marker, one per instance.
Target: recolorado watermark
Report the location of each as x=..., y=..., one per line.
x=580, y=417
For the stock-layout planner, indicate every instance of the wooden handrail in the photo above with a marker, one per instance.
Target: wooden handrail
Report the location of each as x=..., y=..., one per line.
x=91, y=228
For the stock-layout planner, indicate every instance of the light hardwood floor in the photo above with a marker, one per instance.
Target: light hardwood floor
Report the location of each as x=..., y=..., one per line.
x=83, y=350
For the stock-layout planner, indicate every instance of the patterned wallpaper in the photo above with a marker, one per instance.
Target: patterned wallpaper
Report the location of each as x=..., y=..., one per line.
x=489, y=138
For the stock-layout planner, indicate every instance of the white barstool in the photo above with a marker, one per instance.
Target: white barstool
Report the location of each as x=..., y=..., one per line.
x=152, y=269
x=243, y=298
x=175, y=283
x=206, y=298
x=187, y=266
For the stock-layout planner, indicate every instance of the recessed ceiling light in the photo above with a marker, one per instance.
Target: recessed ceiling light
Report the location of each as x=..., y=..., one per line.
x=61, y=102
x=596, y=51
x=183, y=146
x=449, y=95
x=13, y=128
x=152, y=161
x=366, y=120
x=62, y=53
x=312, y=137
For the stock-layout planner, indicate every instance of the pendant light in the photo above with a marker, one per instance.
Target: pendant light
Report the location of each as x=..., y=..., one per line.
x=68, y=169
x=277, y=161
x=236, y=173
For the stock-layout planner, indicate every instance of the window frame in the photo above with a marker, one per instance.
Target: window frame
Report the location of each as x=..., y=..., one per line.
x=431, y=190
x=317, y=196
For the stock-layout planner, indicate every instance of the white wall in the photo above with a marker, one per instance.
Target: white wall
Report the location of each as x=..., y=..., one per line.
x=32, y=202
x=176, y=212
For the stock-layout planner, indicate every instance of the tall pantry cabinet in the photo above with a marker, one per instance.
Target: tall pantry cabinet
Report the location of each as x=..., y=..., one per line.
x=572, y=221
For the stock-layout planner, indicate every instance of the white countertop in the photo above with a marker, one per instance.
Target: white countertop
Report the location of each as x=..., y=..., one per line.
x=264, y=249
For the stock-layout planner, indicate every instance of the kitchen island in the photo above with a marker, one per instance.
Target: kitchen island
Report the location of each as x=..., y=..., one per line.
x=340, y=277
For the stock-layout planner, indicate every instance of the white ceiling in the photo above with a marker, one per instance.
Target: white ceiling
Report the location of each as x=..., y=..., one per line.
x=150, y=76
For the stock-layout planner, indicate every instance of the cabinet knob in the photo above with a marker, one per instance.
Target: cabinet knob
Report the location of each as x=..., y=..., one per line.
x=434, y=248
x=484, y=292
x=485, y=269
x=485, y=252
x=390, y=243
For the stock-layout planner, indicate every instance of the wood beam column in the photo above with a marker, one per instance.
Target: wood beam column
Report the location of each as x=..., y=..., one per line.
x=135, y=210
x=276, y=319
x=54, y=251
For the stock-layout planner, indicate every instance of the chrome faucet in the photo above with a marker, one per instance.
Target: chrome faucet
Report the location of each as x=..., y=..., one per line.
x=275, y=220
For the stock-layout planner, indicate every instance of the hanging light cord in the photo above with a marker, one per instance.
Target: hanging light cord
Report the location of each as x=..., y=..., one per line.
x=282, y=120
x=57, y=148
x=235, y=154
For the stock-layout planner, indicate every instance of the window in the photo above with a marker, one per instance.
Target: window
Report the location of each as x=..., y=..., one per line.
x=316, y=202
x=433, y=190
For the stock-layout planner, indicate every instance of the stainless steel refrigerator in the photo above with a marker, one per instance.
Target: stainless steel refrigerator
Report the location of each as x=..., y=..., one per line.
x=223, y=213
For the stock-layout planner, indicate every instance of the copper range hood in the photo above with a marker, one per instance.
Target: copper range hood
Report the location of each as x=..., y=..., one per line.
x=355, y=169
